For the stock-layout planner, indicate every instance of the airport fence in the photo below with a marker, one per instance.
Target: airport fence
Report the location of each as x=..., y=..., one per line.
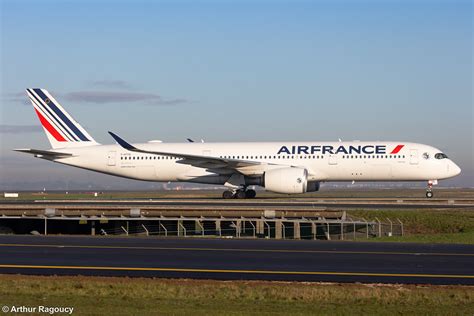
x=303, y=228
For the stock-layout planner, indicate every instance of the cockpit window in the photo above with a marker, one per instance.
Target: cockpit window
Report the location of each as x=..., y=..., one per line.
x=440, y=156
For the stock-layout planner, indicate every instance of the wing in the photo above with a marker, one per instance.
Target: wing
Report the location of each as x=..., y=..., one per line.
x=44, y=153
x=217, y=164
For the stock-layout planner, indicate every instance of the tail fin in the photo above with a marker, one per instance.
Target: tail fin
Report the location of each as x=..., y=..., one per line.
x=62, y=130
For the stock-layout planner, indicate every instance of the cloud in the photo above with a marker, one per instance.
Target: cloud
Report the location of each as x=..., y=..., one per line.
x=115, y=84
x=110, y=96
x=103, y=97
x=173, y=101
x=19, y=129
x=18, y=97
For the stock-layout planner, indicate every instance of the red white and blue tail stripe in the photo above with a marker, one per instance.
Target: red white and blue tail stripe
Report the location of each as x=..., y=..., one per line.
x=62, y=130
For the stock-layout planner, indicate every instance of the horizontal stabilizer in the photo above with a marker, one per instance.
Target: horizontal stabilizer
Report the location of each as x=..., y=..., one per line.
x=44, y=153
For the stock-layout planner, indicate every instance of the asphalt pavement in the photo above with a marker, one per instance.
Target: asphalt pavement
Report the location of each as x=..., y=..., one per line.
x=318, y=203
x=229, y=259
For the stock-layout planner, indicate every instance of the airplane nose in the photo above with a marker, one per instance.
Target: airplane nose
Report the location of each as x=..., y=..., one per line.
x=454, y=169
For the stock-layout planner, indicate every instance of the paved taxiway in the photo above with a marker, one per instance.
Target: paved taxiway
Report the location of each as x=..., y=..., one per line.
x=311, y=203
x=239, y=259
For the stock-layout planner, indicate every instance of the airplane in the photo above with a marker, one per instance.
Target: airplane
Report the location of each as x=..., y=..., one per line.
x=281, y=167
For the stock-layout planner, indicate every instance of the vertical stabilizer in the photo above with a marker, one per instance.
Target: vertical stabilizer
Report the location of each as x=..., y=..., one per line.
x=62, y=130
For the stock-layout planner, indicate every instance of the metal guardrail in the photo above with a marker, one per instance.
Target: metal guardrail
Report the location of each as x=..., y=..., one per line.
x=279, y=224
x=265, y=228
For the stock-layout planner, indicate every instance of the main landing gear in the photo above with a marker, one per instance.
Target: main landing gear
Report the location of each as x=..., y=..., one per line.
x=239, y=194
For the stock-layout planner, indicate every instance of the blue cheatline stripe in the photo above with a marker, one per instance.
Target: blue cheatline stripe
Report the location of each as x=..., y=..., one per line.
x=61, y=115
x=57, y=123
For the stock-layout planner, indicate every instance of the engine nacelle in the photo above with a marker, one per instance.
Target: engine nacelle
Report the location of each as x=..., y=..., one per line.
x=286, y=180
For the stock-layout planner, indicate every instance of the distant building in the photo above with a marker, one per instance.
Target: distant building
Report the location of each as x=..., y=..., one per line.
x=10, y=195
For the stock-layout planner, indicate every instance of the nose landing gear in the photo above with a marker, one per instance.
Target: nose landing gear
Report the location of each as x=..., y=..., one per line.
x=429, y=190
x=239, y=194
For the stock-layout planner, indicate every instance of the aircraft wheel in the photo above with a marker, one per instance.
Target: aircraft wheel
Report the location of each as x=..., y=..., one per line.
x=250, y=194
x=240, y=195
x=429, y=194
x=228, y=195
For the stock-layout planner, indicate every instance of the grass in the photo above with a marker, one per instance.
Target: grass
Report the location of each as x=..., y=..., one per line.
x=452, y=238
x=453, y=226
x=138, y=296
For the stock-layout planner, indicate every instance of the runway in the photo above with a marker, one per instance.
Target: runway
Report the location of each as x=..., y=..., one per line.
x=229, y=259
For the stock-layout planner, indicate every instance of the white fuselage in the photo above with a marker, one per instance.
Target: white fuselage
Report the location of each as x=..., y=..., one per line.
x=281, y=167
x=325, y=161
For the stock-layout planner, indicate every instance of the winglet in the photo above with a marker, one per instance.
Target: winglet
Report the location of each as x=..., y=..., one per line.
x=122, y=142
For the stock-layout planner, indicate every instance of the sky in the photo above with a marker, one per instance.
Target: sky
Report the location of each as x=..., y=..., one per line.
x=236, y=71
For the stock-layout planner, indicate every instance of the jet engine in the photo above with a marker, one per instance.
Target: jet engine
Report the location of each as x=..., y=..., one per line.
x=289, y=180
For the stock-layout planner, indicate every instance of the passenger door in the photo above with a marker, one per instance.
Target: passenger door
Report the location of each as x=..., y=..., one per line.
x=332, y=159
x=413, y=156
x=111, y=158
